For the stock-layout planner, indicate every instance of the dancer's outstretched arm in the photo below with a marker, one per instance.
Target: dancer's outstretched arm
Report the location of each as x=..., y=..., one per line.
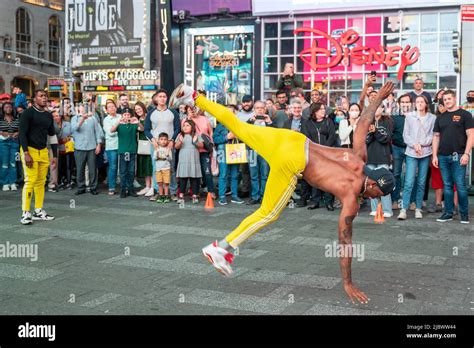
x=366, y=119
x=348, y=213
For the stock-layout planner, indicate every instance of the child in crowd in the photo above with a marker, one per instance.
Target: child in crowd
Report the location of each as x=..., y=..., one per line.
x=189, y=165
x=163, y=156
x=127, y=128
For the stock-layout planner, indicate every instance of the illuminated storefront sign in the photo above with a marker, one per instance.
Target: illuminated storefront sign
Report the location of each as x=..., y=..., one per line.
x=225, y=59
x=118, y=88
x=123, y=75
x=345, y=51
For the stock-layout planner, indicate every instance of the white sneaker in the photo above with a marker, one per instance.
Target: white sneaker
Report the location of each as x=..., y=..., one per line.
x=402, y=215
x=26, y=218
x=150, y=192
x=373, y=213
x=13, y=187
x=387, y=215
x=6, y=188
x=143, y=191
x=219, y=258
x=182, y=95
x=40, y=214
x=418, y=214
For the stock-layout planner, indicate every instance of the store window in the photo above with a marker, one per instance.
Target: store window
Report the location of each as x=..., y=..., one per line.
x=2, y=84
x=54, y=39
x=222, y=60
x=317, y=50
x=23, y=31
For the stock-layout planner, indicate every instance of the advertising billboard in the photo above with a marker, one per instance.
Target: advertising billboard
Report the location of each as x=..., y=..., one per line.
x=288, y=7
x=204, y=7
x=104, y=34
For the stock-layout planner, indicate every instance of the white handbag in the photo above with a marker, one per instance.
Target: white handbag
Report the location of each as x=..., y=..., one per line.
x=144, y=147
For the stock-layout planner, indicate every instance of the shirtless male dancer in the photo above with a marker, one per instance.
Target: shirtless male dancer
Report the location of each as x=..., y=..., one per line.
x=291, y=155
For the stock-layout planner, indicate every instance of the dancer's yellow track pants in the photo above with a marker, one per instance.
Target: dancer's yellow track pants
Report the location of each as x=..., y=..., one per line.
x=35, y=177
x=285, y=152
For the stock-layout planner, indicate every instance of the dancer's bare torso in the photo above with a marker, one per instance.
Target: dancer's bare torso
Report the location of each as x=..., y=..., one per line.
x=335, y=170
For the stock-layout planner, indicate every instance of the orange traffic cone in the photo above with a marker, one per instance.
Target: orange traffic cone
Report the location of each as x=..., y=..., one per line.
x=209, y=202
x=379, y=218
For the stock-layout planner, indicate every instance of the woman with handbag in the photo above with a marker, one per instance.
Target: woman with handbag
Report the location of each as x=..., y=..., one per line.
x=144, y=163
x=227, y=150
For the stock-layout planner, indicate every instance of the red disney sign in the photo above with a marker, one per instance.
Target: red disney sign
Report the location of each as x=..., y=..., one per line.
x=359, y=55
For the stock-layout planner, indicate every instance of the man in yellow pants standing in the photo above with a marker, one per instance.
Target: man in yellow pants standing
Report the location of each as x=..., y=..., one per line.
x=291, y=155
x=36, y=124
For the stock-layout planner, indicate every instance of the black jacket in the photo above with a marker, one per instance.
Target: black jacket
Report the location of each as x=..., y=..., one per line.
x=326, y=135
x=378, y=144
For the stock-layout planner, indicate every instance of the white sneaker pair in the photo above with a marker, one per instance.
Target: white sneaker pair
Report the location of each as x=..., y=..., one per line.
x=143, y=191
x=39, y=214
x=403, y=214
x=387, y=215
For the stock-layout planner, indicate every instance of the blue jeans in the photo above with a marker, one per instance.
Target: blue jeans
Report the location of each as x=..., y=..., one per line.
x=9, y=148
x=205, y=159
x=398, y=154
x=259, y=170
x=127, y=170
x=386, y=200
x=224, y=177
x=173, y=183
x=413, y=180
x=112, y=158
x=453, y=173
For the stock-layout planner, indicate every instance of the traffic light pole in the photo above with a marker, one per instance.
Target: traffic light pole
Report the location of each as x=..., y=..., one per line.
x=69, y=77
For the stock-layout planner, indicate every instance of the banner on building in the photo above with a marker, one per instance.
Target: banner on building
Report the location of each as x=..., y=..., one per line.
x=103, y=34
x=291, y=7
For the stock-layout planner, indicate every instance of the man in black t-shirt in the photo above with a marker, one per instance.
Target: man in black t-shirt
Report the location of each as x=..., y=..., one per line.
x=453, y=140
x=36, y=124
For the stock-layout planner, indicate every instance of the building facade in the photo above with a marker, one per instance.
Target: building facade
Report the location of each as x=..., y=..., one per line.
x=110, y=49
x=335, y=48
x=31, y=43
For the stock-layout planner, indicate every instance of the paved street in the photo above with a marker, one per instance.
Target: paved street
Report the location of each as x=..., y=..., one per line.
x=106, y=255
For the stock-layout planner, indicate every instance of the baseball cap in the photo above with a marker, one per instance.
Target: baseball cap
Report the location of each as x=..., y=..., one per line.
x=383, y=177
x=247, y=98
x=127, y=110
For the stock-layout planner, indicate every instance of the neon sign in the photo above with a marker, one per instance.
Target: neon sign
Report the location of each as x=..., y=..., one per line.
x=346, y=51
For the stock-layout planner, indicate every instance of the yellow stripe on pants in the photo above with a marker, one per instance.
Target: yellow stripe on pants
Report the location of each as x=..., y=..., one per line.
x=283, y=149
x=35, y=177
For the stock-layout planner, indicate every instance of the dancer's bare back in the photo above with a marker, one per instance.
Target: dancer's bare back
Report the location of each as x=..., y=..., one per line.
x=341, y=172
